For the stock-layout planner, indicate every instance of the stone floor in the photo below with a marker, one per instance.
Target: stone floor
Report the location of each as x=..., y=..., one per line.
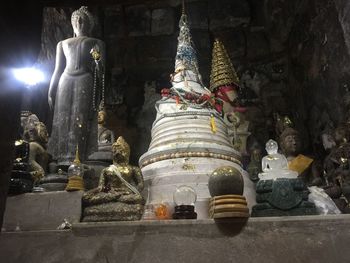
x=284, y=239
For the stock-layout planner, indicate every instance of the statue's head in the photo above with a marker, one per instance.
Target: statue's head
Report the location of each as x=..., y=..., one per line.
x=271, y=147
x=121, y=150
x=290, y=142
x=82, y=21
x=282, y=123
x=29, y=128
x=38, y=133
x=102, y=117
x=341, y=134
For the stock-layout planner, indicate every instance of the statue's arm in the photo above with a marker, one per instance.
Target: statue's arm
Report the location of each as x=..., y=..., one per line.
x=59, y=68
x=35, y=168
x=138, y=178
x=101, y=182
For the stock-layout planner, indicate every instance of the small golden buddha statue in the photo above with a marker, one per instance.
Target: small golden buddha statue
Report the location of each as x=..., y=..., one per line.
x=117, y=197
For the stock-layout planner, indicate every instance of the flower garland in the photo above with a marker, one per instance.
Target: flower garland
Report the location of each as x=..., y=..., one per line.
x=193, y=100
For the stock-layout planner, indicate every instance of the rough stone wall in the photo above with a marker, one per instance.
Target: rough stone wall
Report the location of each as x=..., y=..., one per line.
x=319, y=67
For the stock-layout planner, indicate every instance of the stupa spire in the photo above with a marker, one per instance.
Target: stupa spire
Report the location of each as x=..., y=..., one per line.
x=186, y=57
x=222, y=70
x=77, y=160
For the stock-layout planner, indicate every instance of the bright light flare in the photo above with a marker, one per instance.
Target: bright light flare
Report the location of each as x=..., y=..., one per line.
x=29, y=76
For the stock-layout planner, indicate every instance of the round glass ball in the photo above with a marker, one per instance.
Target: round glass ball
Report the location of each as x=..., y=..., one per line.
x=75, y=169
x=184, y=195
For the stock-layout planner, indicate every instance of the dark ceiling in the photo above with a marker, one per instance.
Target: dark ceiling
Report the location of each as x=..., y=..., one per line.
x=20, y=27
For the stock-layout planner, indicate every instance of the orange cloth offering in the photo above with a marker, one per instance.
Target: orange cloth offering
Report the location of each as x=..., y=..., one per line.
x=300, y=163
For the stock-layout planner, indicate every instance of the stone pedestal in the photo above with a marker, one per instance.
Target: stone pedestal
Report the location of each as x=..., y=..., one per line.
x=54, y=182
x=282, y=197
x=40, y=211
x=114, y=211
x=20, y=182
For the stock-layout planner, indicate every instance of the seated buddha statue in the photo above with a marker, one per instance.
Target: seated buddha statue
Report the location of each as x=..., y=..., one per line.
x=105, y=139
x=105, y=136
x=38, y=156
x=35, y=133
x=274, y=164
x=117, y=197
x=307, y=168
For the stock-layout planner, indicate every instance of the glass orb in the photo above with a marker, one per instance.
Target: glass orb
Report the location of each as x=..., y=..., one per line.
x=75, y=169
x=184, y=195
x=149, y=213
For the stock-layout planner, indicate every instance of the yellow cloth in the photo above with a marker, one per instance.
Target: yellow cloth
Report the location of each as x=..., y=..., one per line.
x=300, y=163
x=212, y=124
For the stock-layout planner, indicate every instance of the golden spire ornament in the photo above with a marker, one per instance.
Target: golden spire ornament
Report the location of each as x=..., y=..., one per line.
x=77, y=160
x=75, y=174
x=222, y=71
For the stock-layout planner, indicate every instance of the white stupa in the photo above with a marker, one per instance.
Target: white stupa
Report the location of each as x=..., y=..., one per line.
x=189, y=137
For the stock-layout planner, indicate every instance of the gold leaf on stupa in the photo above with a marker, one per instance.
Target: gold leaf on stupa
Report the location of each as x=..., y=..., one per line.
x=222, y=70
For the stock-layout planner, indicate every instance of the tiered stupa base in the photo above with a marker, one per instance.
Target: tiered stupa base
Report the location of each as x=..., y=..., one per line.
x=162, y=178
x=185, y=150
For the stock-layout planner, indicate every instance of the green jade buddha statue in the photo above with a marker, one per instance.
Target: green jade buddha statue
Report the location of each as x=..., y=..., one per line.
x=117, y=197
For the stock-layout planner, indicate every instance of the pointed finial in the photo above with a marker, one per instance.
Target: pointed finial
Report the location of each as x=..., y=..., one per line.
x=222, y=70
x=186, y=57
x=77, y=160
